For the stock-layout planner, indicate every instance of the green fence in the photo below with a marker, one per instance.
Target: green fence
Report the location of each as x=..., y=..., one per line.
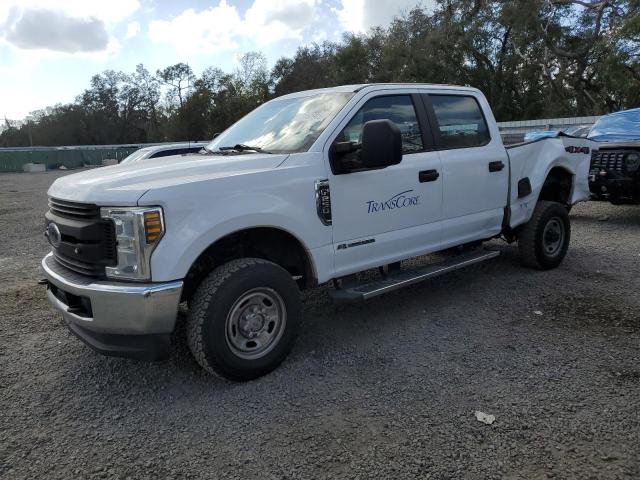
x=12, y=160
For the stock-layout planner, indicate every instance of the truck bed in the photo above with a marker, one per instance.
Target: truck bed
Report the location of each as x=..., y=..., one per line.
x=535, y=159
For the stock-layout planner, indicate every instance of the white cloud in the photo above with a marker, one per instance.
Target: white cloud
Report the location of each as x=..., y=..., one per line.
x=207, y=31
x=68, y=26
x=358, y=16
x=112, y=12
x=270, y=21
x=133, y=29
x=351, y=15
x=52, y=30
x=222, y=28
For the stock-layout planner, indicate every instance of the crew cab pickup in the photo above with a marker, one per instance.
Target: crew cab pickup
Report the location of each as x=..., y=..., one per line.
x=309, y=188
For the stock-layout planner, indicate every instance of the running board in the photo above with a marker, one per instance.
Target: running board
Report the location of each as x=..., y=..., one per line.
x=405, y=278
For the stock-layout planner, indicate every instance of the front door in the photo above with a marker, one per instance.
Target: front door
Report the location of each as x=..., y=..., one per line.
x=384, y=215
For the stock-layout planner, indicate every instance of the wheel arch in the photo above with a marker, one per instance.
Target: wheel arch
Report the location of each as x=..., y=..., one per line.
x=271, y=243
x=557, y=185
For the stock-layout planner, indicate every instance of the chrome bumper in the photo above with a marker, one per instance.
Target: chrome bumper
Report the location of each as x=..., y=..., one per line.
x=111, y=308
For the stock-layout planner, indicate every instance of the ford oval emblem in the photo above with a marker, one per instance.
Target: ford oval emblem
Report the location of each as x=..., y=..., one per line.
x=53, y=235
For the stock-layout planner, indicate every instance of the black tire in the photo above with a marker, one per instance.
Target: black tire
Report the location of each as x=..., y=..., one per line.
x=536, y=238
x=218, y=343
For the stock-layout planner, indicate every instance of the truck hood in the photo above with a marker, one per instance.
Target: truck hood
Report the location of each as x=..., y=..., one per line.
x=122, y=185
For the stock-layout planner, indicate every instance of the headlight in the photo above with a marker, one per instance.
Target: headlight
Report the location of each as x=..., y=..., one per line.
x=138, y=231
x=632, y=162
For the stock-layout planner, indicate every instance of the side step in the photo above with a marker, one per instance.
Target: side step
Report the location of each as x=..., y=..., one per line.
x=401, y=279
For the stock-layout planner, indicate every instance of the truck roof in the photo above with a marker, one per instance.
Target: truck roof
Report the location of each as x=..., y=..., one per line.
x=377, y=86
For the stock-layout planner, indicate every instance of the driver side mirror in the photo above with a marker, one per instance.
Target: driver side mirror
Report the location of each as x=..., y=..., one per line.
x=381, y=147
x=381, y=144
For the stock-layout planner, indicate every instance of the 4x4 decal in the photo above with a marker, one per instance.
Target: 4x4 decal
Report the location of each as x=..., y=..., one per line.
x=399, y=200
x=574, y=149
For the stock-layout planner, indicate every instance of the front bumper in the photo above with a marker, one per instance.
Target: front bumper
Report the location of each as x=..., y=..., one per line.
x=114, y=318
x=618, y=187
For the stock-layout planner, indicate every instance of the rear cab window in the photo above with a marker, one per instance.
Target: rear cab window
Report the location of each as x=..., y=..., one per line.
x=459, y=120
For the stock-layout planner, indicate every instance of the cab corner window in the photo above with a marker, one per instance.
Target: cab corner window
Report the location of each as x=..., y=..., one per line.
x=461, y=123
x=397, y=108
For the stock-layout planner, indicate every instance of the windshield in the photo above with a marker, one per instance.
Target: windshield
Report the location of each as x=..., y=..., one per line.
x=618, y=126
x=283, y=126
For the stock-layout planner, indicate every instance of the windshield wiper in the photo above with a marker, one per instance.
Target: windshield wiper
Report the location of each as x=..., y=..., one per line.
x=208, y=151
x=241, y=147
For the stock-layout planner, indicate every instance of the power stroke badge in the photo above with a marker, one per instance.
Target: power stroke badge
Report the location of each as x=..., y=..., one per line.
x=399, y=200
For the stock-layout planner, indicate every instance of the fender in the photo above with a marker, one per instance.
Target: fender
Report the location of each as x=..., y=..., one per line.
x=536, y=159
x=198, y=216
x=189, y=255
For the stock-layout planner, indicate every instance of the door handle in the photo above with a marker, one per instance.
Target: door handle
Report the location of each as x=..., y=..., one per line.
x=428, y=176
x=496, y=166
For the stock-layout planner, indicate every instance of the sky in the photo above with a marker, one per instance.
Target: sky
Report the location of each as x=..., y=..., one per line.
x=49, y=49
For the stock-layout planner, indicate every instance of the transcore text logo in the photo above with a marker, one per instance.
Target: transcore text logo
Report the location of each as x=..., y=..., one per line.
x=399, y=200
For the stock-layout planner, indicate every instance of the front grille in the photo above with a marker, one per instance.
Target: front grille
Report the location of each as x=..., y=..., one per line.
x=88, y=242
x=607, y=160
x=64, y=208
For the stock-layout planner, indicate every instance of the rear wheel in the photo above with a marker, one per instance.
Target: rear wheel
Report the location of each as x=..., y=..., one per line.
x=544, y=240
x=244, y=318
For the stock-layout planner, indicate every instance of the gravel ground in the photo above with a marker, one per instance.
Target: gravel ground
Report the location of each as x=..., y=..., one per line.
x=383, y=390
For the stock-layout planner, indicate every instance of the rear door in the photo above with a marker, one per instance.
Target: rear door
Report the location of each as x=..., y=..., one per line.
x=384, y=215
x=475, y=170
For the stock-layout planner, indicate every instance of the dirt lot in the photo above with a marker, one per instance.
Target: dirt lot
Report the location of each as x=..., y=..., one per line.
x=383, y=390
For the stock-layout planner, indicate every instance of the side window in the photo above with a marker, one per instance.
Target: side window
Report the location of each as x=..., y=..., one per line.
x=397, y=108
x=460, y=121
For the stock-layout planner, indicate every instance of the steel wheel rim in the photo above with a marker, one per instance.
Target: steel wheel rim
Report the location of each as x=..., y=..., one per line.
x=553, y=236
x=255, y=323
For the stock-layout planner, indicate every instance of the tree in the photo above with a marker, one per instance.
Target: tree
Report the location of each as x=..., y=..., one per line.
x=531, y=58
x=311, y=67
x=179, y=79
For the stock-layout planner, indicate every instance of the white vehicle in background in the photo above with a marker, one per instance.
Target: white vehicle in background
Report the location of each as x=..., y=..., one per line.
x=165, y=150
x=309, y=188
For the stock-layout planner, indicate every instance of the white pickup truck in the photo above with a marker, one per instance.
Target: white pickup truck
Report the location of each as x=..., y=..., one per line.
x=309, y=188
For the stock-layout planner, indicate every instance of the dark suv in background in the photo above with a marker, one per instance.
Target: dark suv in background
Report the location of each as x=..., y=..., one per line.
x=615, y=167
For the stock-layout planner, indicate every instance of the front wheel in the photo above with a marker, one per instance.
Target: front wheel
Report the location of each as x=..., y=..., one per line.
x=544, y=240
x=244, y=318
